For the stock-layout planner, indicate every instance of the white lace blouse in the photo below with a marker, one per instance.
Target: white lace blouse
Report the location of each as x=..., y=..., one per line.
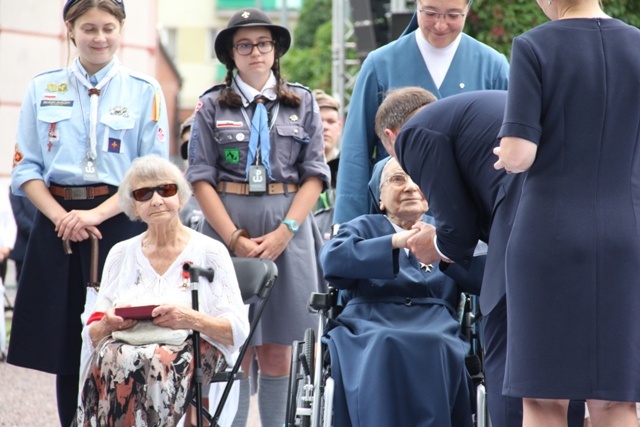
x=129, y=278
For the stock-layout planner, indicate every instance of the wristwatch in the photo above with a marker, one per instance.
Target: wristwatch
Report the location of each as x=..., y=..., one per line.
x=292, y=225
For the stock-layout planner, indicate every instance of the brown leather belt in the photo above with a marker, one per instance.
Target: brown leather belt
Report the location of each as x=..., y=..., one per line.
x=78, y=193
x=242, y=188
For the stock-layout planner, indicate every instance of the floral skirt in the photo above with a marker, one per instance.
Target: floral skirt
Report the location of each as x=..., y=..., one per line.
x=146, y=385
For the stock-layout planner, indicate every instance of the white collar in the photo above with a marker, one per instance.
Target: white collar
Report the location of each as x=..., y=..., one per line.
x=248, y=93
x=101, y=73
x=424, y=44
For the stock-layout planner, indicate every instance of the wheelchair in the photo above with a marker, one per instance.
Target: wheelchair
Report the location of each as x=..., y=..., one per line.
x=311, y=388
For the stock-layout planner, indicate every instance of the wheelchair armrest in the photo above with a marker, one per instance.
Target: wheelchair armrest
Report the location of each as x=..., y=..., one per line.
x=319, y=301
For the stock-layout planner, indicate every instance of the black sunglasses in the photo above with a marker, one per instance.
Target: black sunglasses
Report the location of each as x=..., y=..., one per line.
x=146, y=193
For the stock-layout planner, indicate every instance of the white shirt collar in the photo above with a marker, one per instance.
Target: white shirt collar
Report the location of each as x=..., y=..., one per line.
x=249, y=93
x=101, y=73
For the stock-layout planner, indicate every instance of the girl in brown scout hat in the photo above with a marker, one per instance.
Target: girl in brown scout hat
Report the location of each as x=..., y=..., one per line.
x=257, y=167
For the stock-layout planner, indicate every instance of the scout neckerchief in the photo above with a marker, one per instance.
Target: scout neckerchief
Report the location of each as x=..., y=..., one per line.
x=259, y=136
x=259, y=125
x=94, y=93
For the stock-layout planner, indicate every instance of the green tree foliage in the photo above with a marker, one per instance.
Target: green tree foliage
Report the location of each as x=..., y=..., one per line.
x=311, y=66
x=314, y=14
x=626, y=10
x=493, y=22
x=496, y=23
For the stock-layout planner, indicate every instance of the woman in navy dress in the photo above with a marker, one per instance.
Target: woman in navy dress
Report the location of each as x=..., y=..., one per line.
x=572, y=122
x=396, y=355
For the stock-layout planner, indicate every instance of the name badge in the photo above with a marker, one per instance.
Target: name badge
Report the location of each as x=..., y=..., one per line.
x=257, y=179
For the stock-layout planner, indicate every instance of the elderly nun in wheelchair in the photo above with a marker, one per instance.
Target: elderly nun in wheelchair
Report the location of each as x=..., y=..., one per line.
x=140, y=372
x=397, y=356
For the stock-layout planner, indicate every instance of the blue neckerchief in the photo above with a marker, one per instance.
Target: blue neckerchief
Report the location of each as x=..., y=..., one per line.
x=259, y=135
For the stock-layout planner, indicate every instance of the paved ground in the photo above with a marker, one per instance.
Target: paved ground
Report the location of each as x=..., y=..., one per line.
x=28, y=398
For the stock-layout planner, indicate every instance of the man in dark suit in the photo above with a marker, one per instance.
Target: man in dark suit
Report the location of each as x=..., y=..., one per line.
x=23, y=213
x=447, y=148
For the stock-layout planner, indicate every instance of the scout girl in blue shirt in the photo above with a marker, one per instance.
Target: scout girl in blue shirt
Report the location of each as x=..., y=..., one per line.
x=79, y=130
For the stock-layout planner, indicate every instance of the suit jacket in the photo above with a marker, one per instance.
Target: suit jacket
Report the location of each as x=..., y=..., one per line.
x=475, y=66
x=23, y=213
x=447, y=148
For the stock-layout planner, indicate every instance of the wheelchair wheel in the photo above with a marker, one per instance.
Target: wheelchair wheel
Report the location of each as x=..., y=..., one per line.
x=300, y=393
x=323, y=392
x=308, y=350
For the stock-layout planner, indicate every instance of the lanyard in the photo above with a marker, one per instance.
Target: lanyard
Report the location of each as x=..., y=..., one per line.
x=94, y=94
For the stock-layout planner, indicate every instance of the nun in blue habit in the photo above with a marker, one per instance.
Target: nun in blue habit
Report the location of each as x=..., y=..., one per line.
x=397, y=356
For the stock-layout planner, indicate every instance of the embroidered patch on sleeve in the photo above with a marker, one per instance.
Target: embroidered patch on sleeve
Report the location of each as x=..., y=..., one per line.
x=17, y=156
x=155, y=109
x=232, y=155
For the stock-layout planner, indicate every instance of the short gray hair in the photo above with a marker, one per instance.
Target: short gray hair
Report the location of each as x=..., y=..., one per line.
x=398, y=106
x=150, y=168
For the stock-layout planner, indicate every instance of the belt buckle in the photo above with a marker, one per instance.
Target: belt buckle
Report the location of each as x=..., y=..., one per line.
x=79, y=193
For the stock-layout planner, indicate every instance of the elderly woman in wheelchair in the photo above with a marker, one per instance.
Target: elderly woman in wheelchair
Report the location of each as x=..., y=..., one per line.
x=397, y=355
x=141, y=361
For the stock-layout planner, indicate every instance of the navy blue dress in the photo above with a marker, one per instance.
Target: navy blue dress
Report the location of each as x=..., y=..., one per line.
x=396, y=355
x=573, y=259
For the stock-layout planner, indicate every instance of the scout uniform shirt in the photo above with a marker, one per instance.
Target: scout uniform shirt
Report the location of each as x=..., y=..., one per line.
x=54, y=127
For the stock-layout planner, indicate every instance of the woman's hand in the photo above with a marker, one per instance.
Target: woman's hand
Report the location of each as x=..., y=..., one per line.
x=184, y=317
x=244, y=246
x=176, y=317
x=109, y=323
x=515, y=155
x=271, y=245
x=112, y=322
x=75, y=225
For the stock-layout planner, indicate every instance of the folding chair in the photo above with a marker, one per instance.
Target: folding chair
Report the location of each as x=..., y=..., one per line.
x=256, y=277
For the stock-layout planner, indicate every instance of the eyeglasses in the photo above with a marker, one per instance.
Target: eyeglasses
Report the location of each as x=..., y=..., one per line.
x=450, y=17
x=245, y=49
x=146, y=193
x=398, y=180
